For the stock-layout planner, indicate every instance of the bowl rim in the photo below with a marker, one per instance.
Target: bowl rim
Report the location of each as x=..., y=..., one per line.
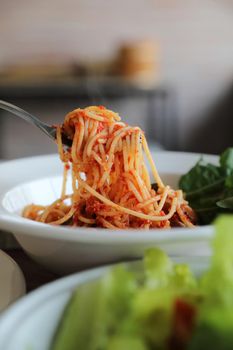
x=21, y=226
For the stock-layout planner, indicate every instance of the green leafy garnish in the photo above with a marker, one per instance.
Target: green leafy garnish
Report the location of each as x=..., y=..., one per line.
x=209, y=188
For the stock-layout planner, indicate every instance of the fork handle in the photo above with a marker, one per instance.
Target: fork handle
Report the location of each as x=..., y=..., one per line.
x=50, y=131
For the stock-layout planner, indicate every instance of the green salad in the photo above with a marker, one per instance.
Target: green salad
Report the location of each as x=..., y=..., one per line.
x=161, y=306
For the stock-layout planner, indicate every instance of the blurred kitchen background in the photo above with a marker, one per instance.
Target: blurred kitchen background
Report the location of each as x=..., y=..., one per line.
x=166, y=65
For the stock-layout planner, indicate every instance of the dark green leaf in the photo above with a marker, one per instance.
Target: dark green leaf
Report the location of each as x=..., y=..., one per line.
x=214, y=187
x=201, y=175
x=210, y=199
x=209, y=188
x=229, y=181
x=226, y=159
x=226, y=203
x=207, y=215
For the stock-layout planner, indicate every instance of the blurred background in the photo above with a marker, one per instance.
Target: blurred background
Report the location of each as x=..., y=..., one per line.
x=166, y=65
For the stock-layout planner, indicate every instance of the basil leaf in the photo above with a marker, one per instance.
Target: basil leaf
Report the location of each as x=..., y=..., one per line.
x=201, y=175
x=226, y=159
x=229, y=181
x=214, y=187
x=209, y=188
x=226, y=203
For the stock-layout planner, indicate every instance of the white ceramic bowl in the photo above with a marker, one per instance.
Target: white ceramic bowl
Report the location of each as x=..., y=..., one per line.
x=32, y=321
x=65, y=249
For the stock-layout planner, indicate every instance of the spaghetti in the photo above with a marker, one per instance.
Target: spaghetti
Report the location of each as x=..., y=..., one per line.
x=111, y=185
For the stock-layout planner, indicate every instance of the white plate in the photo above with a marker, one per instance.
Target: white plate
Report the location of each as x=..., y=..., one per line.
x=23, y=326
x=65, y=249
x=12, y=283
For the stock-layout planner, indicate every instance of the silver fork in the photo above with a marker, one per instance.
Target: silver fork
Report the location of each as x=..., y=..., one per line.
x=50, y=131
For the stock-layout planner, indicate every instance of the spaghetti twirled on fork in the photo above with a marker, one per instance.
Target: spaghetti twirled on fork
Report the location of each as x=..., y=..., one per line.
x=111, y=186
